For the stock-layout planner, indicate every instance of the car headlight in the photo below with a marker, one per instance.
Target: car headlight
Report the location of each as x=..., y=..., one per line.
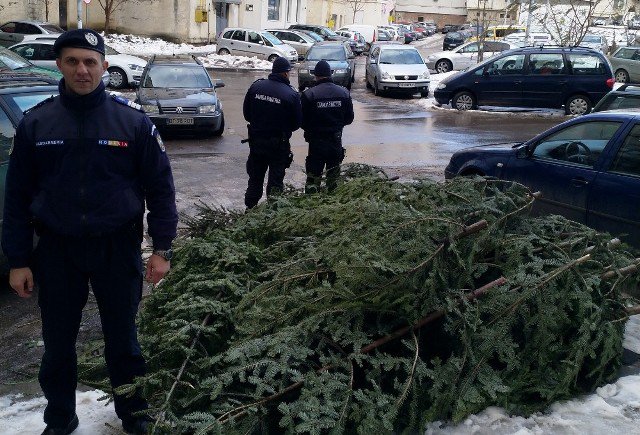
x=441, y=85
x=424, y=75
x=340, y=71
x=385, y=75
x=207, y=108
x=150, y=108
x=135, y=67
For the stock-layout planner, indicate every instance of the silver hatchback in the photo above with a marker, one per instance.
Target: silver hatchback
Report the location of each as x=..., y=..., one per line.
x=248, y=42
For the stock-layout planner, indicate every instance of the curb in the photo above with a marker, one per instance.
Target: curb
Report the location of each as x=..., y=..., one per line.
x=234, y=69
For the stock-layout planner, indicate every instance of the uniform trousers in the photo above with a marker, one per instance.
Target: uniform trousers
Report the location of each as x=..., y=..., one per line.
x=273, y=155
x=63, y=268
x=324, y=153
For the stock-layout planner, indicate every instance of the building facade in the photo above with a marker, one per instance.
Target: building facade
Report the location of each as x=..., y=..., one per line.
x=441, y=12
x=492, y=12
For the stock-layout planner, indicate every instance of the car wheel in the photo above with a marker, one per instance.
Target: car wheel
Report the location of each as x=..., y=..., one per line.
x=224, y=51
x=219, y=131
x=622, y=76
x=424, y=94
x=117, y=78
x=443, y=66
x=463, y=101
x=577, y=105
x=272, y=58
x=376, y=91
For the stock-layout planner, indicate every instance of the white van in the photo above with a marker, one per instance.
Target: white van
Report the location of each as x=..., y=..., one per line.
x=369, y=32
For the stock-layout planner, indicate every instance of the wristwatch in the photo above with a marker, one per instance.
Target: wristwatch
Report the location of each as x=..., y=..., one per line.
x=167, y=255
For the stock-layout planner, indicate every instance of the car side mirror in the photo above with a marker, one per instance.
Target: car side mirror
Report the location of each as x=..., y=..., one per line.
x=261, y=42
x=218, y=84
x=523, y=152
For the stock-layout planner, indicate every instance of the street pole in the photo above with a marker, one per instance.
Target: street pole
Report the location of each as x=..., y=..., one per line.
x=79, y=14
x=526, y=34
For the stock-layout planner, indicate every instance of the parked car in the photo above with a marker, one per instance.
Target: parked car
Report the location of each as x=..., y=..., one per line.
x=599, y=22
x=535, y=39
x=326, y=33
x=453, y=40
x=366, y=30
x=465, y=56
x=10, y=61
x=450, y=28
x=248, y=42
x=19, y=91
x=393, y=31
x=597, y=42
x=496, y=33
x=340, y=58
x=178, y=95
x=634, y=23
x=40, y=52
x=124, y=70
x=396, y=68
x=624, y=97
x=16, y=31
x=356, y=41
x=625, y=62
x=587, y=169
x=383, y=35
x=575, y=77
x=300, y=41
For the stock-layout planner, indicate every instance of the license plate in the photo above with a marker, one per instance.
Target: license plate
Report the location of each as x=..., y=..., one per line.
x=180, y=121
x=406, y=85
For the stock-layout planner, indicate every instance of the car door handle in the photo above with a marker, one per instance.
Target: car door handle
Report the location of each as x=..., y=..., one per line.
x=579, y=182
x=562, y=82
x=517, y=82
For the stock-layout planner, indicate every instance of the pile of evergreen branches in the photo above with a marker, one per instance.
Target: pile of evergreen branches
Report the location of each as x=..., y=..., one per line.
x=380, y=307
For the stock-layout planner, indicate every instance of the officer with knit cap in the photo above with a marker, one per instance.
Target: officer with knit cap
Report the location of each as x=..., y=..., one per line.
x=326, y=109
x=272, y=109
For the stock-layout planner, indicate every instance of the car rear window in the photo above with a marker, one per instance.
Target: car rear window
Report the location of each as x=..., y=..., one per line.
x=615, y=102
x=586, y=64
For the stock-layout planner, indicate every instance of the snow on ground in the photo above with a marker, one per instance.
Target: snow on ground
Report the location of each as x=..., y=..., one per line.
x=146, y=47
x=613, y=409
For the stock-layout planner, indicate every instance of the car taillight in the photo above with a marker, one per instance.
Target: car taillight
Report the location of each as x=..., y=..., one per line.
x=610, y=82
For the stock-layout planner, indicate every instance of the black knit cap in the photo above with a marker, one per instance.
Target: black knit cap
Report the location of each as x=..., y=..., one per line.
x=79, y=38
x=322, y=69
x=280, y=65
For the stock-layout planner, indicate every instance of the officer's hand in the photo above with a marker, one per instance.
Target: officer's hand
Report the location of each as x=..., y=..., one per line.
x=21, y=280
x=157, y=268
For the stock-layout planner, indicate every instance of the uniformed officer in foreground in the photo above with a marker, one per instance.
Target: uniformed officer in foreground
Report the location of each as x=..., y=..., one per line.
x=272, y=109
x=326, y=109
x=82, y=167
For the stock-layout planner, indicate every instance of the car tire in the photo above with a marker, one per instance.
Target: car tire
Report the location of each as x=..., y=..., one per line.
x=223, y=51
x=463, y=100
x=219, y=131
x=622, y=76
x=443, y=66
x=577, y=105
x=117, y=78
x=272, y=58
x=424, y=94
x=376, y=91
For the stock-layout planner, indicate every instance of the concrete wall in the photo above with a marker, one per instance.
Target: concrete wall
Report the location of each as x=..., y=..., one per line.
x=290, y=12
x=28, y=10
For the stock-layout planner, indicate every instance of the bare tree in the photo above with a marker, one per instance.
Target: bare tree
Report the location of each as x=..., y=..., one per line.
x=356, y=6
x=109, y=7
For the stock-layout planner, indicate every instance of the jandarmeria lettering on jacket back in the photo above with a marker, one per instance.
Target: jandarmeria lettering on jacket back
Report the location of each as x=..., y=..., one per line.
x=268, y=98
x=328, y=104
x=44, y=143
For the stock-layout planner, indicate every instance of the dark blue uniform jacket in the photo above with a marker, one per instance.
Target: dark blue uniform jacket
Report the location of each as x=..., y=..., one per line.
x=272, y=108
x=326, y=108
x=83, y=166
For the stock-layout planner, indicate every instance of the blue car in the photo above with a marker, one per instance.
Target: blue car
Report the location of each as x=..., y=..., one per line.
x=587, y=169
x=573, y=77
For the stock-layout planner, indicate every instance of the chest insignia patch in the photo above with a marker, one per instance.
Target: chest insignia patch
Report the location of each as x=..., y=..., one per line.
x=45, y=143
x=113, y=143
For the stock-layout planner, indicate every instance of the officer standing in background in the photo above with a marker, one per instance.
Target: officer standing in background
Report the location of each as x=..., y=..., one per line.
x=82, y=167
x=326, y=109
x=272, y=109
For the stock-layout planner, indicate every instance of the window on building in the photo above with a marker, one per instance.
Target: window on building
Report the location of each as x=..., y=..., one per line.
x=273, y=11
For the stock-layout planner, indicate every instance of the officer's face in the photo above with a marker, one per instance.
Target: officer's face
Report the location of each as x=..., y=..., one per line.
x=82, y=69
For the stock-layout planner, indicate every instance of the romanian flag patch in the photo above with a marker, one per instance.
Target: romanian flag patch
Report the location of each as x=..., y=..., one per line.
x=114, y=143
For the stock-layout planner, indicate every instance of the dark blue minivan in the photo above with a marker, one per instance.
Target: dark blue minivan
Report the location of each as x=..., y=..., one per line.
x=587, y=169
x=573, y=77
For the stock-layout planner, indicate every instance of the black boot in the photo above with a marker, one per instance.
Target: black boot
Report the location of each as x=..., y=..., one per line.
x=69, y=428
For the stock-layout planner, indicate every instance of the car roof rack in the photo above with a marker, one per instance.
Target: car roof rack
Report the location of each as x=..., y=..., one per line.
x=174, y=58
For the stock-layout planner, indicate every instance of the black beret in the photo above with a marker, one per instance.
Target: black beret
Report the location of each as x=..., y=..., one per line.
x=79, y=38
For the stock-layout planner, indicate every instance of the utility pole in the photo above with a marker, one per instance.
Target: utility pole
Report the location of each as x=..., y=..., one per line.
x=79, y=14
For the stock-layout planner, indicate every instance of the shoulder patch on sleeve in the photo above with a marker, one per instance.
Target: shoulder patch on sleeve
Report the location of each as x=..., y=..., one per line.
x=125, y=102
x=156, y=135
x=40, y=104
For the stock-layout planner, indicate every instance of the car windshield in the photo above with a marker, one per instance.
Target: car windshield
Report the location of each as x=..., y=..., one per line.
x=591, y=38
x=407, y=57
x=330, y=32
x=109, y=51
x=177, y=76
x=328, y=53
x=9, y=59
x=52, y=28
x=272, y=39
x=315, y=36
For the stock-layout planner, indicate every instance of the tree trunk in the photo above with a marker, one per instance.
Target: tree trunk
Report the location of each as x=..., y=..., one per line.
x=107, y=18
